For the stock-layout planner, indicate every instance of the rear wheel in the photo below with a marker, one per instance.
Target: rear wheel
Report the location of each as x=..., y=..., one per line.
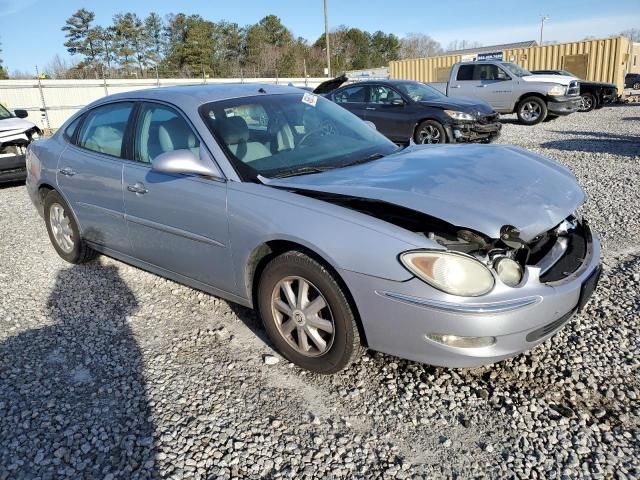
x=64, y=232
x=532, y=110
x=636, y=86
x=306, y=314
x=587, y=102
x=430, y=131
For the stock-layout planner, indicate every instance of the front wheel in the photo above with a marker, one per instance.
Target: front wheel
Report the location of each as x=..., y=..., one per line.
x=306, y=314
x=532, y=110
x=587, y=102
x=429, y=132
x=636, y=86
x=64, y=232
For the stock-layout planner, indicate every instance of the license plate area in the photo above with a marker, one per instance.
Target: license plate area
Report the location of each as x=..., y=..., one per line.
x=588, y=287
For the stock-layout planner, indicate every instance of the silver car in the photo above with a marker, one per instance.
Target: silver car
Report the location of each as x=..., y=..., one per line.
x=283, y=201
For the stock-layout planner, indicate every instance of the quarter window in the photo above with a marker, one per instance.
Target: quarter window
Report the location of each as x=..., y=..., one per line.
x=104, y=128
x=71, y=129
x=161, y=129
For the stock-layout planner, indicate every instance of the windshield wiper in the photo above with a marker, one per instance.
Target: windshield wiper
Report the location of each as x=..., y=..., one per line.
x=301, y=171
x=370, y=158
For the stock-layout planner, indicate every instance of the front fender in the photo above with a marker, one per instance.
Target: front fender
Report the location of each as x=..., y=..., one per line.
x=346, y=239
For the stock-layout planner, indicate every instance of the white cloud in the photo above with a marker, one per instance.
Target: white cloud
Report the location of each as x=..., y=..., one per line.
x=561, y=31
x=9, y=7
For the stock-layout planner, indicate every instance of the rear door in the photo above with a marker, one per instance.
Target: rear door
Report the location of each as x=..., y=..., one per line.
x=90, y=175
x=390, y=117
x=176, y=222
x=353, y=98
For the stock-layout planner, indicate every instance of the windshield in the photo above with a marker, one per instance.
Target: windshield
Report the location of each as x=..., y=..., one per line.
x=4, y=113
x=419, y=91
x=282, y=135
x=517, y=70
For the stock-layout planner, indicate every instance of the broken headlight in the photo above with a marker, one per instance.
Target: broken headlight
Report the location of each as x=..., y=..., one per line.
x=451, y=272
x=509, y=271
x=459, y=115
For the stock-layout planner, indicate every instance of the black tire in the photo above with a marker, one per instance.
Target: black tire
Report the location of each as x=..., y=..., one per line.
x=434, y=128
x=536, y=106
x=345, y=346
x=589, y=102
x=636, y=86
x=80, y=251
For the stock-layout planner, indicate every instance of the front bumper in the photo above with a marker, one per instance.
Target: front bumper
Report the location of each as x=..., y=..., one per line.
x=562, y=105
x=473, y=131
x=398, y=316
x=12, y=168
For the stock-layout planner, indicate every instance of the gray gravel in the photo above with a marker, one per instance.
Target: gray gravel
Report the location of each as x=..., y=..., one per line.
x=110, y=372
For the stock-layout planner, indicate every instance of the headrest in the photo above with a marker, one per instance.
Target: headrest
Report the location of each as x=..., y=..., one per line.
x=175, y=134
x=234, y=130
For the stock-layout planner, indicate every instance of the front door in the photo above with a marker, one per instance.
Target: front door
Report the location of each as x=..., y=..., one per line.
x=176, y=222
x=90, y=175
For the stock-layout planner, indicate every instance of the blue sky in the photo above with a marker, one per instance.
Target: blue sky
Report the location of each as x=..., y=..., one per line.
x=30, y=29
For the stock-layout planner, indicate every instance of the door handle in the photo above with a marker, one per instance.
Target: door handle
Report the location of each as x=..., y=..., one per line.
x=454, y=86
x=138, y=188
x=67, y=172
x=370, y=108
x=481, y=86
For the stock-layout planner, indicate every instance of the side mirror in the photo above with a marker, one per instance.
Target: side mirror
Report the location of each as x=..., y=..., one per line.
x=184, y=161
x=398, y=102
x=371, y=124
x=21, y=113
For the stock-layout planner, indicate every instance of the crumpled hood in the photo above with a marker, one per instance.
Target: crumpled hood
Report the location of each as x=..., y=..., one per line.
x=15, y=124
x=561, y=79
x=481, y=187
x=463, y=104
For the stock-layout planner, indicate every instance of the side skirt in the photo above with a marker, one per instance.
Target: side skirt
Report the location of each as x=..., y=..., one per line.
x=176, y=277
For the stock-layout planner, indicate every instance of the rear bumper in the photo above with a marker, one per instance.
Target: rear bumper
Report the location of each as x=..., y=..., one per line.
x=563, y=105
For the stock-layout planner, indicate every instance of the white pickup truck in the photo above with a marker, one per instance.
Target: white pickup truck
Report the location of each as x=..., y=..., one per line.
x=509, y=88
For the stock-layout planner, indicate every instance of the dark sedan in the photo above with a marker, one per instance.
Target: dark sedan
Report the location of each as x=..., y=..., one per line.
x=592, y=94
x=632, y=80
x=403, y=110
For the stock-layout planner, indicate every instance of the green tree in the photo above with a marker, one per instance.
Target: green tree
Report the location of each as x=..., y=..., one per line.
x=383, y=49
x=155, y=46
x=3, y=73
x=82, y=37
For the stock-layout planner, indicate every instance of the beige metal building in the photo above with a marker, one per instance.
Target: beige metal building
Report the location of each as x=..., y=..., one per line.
x=604, y=60
x=634, y=63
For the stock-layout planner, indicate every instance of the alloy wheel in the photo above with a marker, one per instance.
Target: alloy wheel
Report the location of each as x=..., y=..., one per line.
x=429, y=134
x=61, y=227
x=586, y=102
x=531, y=111
x=302, y=316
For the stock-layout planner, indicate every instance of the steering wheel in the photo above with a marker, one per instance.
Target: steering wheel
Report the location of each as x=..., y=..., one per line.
x=326, y=129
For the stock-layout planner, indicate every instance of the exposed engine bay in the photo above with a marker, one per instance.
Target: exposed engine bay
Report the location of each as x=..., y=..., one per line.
x=558, y=252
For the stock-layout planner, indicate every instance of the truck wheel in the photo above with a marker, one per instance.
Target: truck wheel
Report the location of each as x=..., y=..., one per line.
x=532, y=110
x=429, y=132
x=636, y=86
x=588, y=102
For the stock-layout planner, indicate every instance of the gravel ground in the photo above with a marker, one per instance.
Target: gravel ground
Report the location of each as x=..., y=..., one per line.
x=110, y=372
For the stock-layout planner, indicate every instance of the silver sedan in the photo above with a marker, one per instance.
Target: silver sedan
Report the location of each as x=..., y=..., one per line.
x=282, y=201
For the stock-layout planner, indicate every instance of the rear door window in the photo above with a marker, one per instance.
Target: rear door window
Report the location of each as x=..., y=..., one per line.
x=104, y=129
x=354, y=94
x=465, y=72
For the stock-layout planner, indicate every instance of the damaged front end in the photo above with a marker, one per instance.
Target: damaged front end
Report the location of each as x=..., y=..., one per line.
x=553, y=256
x=13, y=147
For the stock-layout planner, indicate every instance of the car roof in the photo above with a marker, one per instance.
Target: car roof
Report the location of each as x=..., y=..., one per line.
x=196, y=95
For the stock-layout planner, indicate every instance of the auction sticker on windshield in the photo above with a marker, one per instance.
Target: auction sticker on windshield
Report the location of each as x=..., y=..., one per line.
x=310, y=99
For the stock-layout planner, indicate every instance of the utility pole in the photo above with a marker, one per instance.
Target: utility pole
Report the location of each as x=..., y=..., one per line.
x=543, y=18
x=326, y=37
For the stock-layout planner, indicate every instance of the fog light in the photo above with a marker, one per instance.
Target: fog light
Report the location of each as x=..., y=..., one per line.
x=509, y=271
x=462, y=342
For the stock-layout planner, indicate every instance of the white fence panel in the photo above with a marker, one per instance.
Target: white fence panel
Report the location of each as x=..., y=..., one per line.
x=60, y=99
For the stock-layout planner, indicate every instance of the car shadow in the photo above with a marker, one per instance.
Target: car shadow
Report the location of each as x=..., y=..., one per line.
x=73, y=399
x=597, y=142
x=631, y=119
x=11, y=184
